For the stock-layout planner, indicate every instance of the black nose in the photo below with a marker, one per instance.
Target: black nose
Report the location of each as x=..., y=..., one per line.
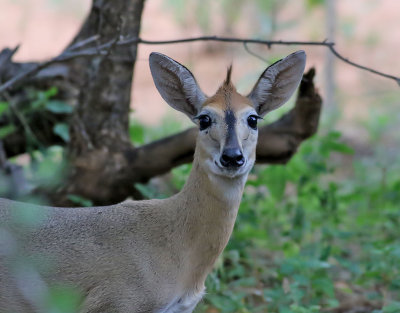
x=232, y=158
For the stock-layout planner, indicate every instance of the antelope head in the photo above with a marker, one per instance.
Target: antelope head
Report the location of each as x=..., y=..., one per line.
x=227, y=120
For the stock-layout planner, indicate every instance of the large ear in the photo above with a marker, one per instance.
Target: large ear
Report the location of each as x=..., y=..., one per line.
x=176, y=84
x=278, y=82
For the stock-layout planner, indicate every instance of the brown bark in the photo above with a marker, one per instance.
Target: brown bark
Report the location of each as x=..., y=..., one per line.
x=100, y=148
x=106, y=81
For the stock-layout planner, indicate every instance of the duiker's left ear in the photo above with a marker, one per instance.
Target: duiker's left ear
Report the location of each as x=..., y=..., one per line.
x=278, y=83
x=176, y=84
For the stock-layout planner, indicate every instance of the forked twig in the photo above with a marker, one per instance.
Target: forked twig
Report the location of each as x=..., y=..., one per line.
x=246, y=47
x=104, y=49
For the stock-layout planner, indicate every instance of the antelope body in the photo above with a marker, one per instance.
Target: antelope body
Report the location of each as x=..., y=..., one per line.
x=154, y=255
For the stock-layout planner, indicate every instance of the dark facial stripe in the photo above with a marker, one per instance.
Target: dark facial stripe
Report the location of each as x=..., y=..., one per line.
x=231, y=136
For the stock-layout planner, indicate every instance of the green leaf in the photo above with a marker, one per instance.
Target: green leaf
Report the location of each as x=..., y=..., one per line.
x=149, y=192
x=59, y=107
x=331, y=143
x=80, y=200
x=7, y=130
x=245, y=282
x=223, y=303
x=311, y=4
x=62, y=130
x=3, y=106
x=341, y=147
x=53, y=91
x=393, y=307
x=301, y=309
x=275, y=179
x=64, y=299
x=136, y=133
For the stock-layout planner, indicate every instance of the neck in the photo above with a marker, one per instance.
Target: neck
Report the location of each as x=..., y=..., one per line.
x=210, y=205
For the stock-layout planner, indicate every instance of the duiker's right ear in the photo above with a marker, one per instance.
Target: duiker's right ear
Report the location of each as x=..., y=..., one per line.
x=176, y=84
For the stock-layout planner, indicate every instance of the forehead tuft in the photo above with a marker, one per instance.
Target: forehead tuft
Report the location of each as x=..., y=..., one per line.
x=227, y=98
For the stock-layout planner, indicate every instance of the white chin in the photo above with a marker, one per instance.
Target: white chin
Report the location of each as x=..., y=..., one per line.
x=217, y=169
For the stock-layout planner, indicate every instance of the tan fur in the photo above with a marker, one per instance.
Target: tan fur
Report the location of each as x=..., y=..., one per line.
x=228, y=97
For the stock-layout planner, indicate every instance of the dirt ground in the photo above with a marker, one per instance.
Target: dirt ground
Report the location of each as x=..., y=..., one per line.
x=368, y=32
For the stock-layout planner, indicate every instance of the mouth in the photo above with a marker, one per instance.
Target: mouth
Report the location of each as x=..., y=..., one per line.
x=231, y=171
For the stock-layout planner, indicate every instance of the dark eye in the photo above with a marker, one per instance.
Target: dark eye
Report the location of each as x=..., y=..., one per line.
x=204, y=121
x=252, y=121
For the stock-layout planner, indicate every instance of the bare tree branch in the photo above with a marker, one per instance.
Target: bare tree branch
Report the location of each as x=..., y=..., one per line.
x=160, y=156
x=65, y=56
x=268, y=43
x=83, y=43
x=103, y=49
x=342, y=58
x=246, y=47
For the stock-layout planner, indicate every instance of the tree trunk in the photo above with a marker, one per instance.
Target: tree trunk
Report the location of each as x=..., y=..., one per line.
x=99, y=128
